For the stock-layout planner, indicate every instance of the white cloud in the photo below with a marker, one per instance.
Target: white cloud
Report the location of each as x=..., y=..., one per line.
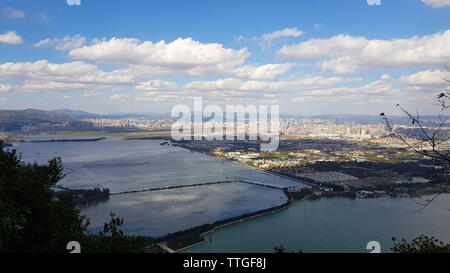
x=263, y=72
x=374, y=2
x=44, y=76
x=156, y=85
x=73, y=2
x=287, y=32
x=423, y=86
x=119, y=96
x=427, y=77
x=185, y=56
x=91, y=94
x=13, y=13
x=3, y=100
x=64, y=44
x=67, y=72
x=437, y=3
x=377, y=90
x=312, y=82
x=239, y=38
x=323, y=47
x=5, y=87
x=10, y=37
x=345, y=54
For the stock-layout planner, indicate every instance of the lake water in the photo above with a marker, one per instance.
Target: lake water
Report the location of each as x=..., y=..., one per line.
x=124, y=165
x=334, y=225
x=157, y=213
x=326, y=225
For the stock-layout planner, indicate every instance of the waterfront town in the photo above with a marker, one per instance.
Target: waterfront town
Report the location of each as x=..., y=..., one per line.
x=332, y=158
x=344, y=155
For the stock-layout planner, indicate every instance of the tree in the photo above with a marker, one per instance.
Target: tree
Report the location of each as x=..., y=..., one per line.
x=422, y=244
x=113, y=240
x=430, y=140
x=31, y=219
x=34, y=219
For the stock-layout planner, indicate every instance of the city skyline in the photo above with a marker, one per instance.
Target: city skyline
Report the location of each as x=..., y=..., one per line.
x=309, y=58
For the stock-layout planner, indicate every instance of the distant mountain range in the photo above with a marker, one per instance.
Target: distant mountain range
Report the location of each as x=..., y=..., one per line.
x=14, y=120
x=79, y=115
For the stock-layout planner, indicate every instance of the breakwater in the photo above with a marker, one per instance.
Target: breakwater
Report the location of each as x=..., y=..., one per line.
x=199, y=184
x=67, y=140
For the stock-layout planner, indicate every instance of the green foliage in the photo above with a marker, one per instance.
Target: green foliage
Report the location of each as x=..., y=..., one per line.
x=180, y=242
x=34, y=219
x=113, y=240
x=31, y=219
x=422, y=244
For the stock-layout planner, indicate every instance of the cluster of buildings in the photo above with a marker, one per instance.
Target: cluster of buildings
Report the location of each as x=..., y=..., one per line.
x=317, y=128
x=144, y=124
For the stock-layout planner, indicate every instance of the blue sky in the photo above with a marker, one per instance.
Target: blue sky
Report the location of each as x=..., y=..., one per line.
x=310, y=57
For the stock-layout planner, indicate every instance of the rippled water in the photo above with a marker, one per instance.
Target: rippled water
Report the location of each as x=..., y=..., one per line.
x=334, y=225
x=142, y=164
x=122, y=165
x=157, y=213
x=326, y=225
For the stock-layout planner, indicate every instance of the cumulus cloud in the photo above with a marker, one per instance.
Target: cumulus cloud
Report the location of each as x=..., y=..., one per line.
x=372, y=91
x=10, y=37
x=419, y=86
x=427, y=77
x=73, y=2
x=5, y=87
x=437, y=3
x=156, y=85
x=346, y=54
x=186, y=56
x=66, y=72
x=312, y=82
x=64, y=44
x=287, y=32
x=12, y=13
x=44, y=76
x=91, y=94
x=119, y=96
x=263, y=72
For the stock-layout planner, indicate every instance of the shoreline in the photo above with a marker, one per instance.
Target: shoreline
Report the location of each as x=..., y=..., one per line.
x=282, y=207
x=251, y=167
x=258, y=214
x=249, y=216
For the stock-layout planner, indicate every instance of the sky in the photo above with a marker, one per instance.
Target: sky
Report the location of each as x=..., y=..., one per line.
x=308, y=57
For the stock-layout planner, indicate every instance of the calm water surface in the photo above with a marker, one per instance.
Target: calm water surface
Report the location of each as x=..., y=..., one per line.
x=326, y=225
x=334, y=225
x=123, y=165
x=142, y=164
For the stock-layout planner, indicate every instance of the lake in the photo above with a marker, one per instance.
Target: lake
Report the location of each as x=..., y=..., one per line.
x=325, y=225
x=124, y=165
x=334, y=225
